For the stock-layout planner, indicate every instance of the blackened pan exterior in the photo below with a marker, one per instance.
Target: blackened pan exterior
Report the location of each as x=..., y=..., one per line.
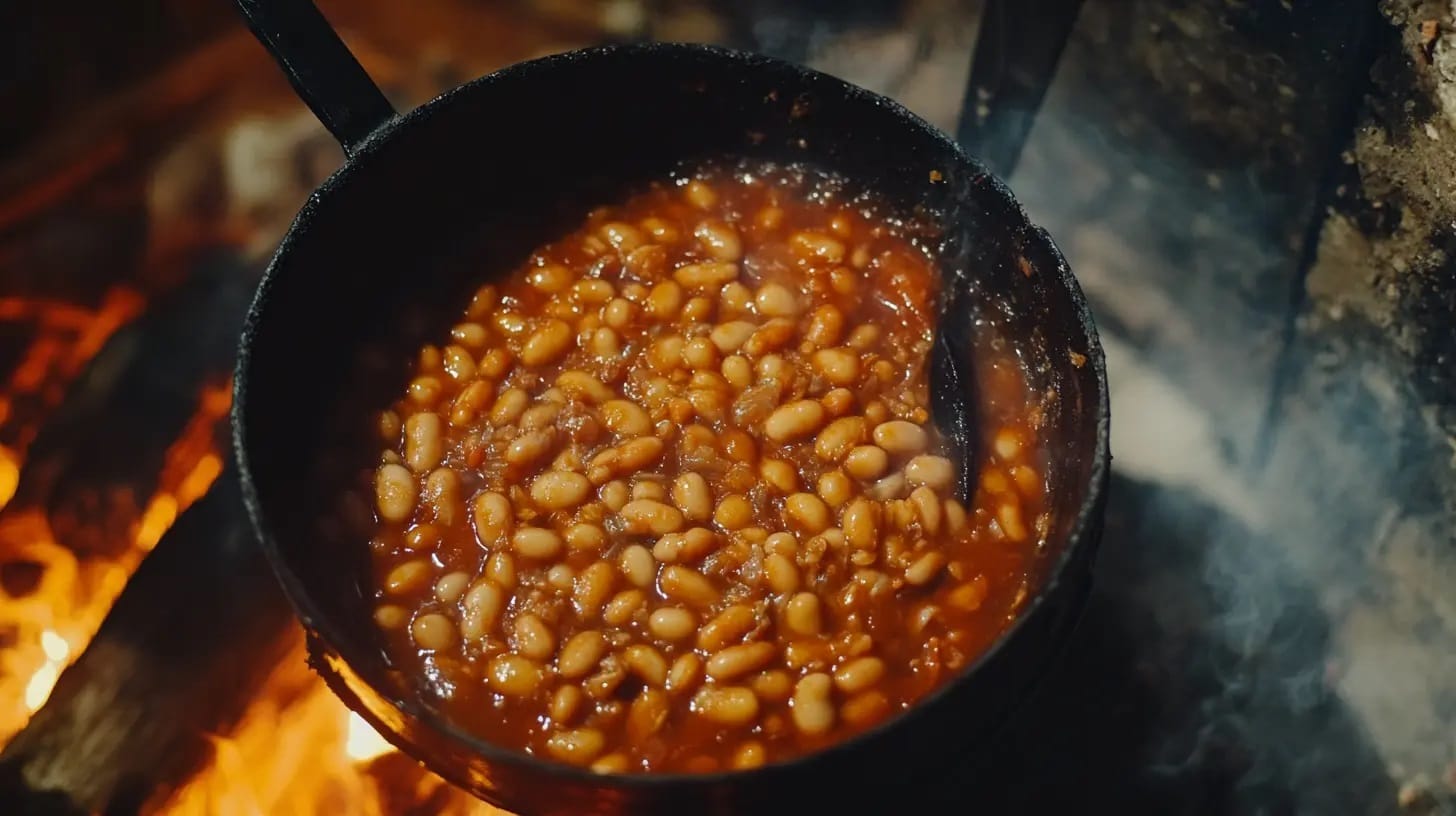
x=506, y=160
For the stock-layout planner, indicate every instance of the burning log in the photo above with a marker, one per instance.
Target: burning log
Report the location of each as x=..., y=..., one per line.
x=182, y=653
x=133, y=400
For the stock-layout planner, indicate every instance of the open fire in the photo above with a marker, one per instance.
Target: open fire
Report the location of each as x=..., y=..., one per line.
x=296, y=749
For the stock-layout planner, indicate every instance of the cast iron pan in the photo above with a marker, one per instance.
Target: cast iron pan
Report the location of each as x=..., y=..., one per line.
x=432, y=200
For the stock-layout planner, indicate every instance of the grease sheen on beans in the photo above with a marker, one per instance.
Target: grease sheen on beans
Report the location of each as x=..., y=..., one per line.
x=667, y=498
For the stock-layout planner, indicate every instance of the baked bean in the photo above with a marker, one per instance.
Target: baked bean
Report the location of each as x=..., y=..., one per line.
x=638, y=453
x=684, y=673
x=769, y=337
x=773, y=685
x=932, y=471
x=550, y=278
x=726, y=705
x=839, y=437
x=783, y=576
x=483, y=605
x=683, y=584
x=592, y=588
x=442, y=496
x=501, y=568
x=737, y=371
x=700, y=195
x=834, y=488
x=647, y=516
x=425, y=391
x=816, y=246
x=861, y=524
x=838, y=366
x=625, y=418
x=580, y=654
x=647, y=663
x=395, y=492
x=611, y=764
x=588, y=537
x=900, y=437
x=434, y=632
x=672, y=623
x=890, y=487
x=866, y=462
x=614, y=495
x=565, y=703
x=391, y=616
x=1008, y=515
x=794, y=421
x=647, y=714
x=802, y=614
x=812, y=710
x=864, y=337
x=579, y=746
x=547, y=344
x=559, y=490
x=407, y=577
x=954, y=514
x=779, y=474
x=865, y=709
x=969, y=596
x=927, y=508
x=736, y=661
x=733, y=513
x=638, y=565
x=729, y=337
x=622, y=237
x=775, y=300
x=561, y=577
x=1007, y=444
x=706, y=275
x=529, y=447
x=534, y=639
x=451, y=587
x=690, y=492
x=728, y=626
x=749, y=755
x=719, y=240
x=582, y=386
x=422, y=537
x=509, y=406
x=623, y=607
x=494, y=363
x=470, y=335
x=664, y=300
x=536, y=542
x=807, y=512
x=514, y=675
x=859, y=674
x=459, y=364
x=924, y=569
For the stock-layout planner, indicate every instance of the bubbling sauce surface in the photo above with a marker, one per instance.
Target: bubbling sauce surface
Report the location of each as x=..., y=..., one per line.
x=668, y=498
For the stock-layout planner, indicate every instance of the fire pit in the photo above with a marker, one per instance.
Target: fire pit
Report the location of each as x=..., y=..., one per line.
x=1272, y=627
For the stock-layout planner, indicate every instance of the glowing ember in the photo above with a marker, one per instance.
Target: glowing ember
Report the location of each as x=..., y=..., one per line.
x=363, y=742
x=299, y=751
x=9, y=473
x=56, y=650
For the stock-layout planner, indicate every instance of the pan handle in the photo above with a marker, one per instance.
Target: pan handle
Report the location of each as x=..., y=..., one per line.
x=319, y=66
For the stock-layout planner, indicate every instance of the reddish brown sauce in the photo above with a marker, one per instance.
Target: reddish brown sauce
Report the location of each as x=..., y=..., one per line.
x=667, y=498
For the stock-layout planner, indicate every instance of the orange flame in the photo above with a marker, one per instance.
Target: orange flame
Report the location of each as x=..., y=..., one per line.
x=297, y=749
